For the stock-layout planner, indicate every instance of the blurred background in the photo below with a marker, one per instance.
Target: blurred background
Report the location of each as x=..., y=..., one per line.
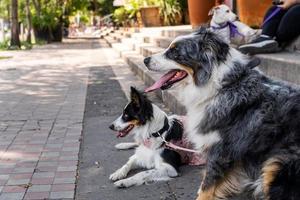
x=27, y=22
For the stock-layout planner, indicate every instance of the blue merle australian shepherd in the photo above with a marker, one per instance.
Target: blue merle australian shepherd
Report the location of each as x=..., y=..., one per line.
x=247, y=123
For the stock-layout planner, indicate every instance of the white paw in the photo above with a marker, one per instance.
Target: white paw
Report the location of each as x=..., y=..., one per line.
x=117, y=175
x=126, y=145
x=124, y=183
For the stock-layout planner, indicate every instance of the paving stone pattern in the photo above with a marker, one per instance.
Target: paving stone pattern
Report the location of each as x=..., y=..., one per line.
x=42, y=99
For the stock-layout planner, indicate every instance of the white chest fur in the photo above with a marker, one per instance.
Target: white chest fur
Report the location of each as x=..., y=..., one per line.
x=201, y=141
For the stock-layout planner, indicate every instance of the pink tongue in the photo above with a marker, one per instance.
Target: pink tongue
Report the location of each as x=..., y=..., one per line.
x=120, y=134
x=161, y=81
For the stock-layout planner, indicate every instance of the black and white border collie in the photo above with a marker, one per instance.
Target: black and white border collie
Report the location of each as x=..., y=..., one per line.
x=148, y=123
x=248, y=123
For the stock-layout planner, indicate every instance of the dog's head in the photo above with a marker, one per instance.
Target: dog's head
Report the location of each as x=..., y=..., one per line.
x=190, y=57
x=135, y=114
x=222, y=14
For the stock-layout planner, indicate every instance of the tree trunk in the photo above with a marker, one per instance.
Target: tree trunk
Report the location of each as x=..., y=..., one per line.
x=15, y=40
x=95, y=12
x=8, y=12
x=29, y=22
x=37, y=7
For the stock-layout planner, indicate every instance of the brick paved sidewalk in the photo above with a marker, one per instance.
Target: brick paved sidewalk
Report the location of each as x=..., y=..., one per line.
x=42, y=97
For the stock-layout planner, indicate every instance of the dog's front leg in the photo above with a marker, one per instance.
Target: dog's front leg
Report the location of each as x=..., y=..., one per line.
x=126, y=145
x=163, y=173
x=222, y=178
x=123, y=171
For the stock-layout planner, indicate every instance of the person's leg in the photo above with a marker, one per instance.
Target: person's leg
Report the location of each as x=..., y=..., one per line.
x=270, y=28
x=265, y=43
x=289, y=27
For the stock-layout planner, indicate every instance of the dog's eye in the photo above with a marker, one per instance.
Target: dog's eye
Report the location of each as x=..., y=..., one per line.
x=227, y=11
x=173, y=46
x=125, y=116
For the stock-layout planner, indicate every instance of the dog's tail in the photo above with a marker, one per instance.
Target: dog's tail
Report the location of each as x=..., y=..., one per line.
x=282, y=181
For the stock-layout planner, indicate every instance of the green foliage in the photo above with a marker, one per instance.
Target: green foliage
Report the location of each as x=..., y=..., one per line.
x=49, y=15
x=183, y=4
x=105, y=7
x=72, y=6
x=84, y=19
x=40, y=42
x=4, y=57
x=4, y=45
x=120, y=15
x=170, y=10
x=26, y=45
x=4, y=9
x=133, y=8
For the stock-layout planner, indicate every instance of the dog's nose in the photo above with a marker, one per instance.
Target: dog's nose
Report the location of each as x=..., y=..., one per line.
x=147, y=61
x=112, y=127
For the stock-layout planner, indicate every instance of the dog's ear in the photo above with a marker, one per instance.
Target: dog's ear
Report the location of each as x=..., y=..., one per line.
x=135, y=97
x=254, y=62
x=202, y=74
x=212, y=11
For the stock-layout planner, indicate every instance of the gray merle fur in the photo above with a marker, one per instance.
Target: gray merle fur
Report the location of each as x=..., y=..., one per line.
x=257, y=118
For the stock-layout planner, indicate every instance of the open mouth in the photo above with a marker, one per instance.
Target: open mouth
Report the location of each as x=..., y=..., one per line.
x=125, y=131
x=167, y=80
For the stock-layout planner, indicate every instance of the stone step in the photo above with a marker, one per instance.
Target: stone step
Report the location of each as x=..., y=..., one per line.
x=163, y=42
x=150, y=50
x=175, y=33
x=295, y=45
x=110, y=40
x=283, y=65
x=117, y=36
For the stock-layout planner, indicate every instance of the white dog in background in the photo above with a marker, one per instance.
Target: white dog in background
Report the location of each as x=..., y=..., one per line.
x=224, y=23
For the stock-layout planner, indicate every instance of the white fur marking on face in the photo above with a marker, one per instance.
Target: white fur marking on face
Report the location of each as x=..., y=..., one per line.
x=223, y=14
x=119, y=124
x=159, y=62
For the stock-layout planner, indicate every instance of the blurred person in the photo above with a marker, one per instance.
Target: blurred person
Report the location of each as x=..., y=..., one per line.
x=281, y=25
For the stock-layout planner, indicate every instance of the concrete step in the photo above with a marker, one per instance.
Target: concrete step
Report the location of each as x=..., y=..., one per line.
x=163, y=42
x=295, y=45
x=110, y=40
x=150, y=50
x=175, y=33
x=283, y=65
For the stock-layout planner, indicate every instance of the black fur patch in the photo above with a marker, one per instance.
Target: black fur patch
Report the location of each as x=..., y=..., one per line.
x=171, y=157
x=140, y=108
x=176, y=131
x=257, y=118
